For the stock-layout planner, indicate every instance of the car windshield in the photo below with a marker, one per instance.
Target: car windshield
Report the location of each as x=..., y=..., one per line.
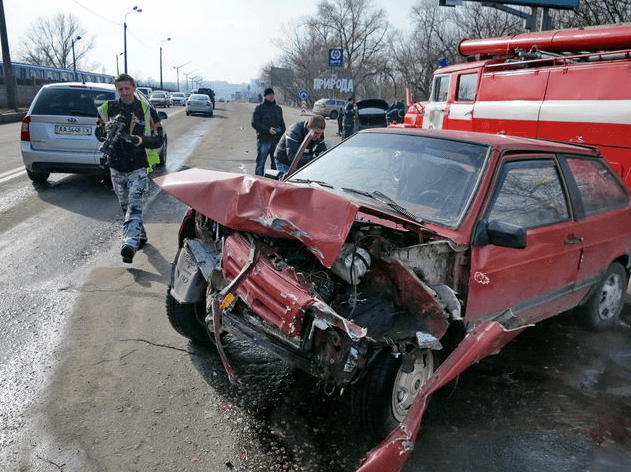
x=433, y=179
x=70, y=102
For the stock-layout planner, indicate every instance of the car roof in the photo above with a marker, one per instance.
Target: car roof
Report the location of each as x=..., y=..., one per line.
x=109, y=87
x=501, y=142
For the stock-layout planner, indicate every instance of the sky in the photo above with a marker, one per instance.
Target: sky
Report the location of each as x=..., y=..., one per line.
x=217, y=40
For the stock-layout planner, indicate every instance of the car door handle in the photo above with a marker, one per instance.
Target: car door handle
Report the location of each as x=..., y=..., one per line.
x=572, y=239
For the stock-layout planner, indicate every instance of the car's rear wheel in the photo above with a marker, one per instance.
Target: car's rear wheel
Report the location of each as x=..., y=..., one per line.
x=602, y=310
x=38, y=177
x=383, y=397
x=184, y=319
x=333, y=115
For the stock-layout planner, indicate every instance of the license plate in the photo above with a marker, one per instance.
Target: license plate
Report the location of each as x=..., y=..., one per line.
x=70, y=129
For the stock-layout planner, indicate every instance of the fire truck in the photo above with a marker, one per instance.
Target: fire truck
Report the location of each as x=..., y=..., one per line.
x=566, y=85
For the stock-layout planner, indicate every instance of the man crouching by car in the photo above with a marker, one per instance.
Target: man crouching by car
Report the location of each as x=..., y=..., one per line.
x=130, y=156
x=306, y=136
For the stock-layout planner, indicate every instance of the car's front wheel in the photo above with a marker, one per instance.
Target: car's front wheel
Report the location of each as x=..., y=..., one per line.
x=602, y=310
x=184, y=319
x=383, y=397
x=38, y=177
x=333, y=115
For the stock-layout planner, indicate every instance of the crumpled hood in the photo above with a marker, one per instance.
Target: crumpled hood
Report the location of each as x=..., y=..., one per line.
x=249, y=203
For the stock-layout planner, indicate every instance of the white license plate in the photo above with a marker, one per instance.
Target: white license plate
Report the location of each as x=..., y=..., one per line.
x=70, y=129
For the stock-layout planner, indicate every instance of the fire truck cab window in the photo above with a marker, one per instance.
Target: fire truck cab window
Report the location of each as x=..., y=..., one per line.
x=440, y=88
x=467, y=84
x=530, y=195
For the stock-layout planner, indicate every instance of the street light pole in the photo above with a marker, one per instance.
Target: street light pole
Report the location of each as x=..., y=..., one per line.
x=164, y=41
x=74, y=60
x=117, y=70
x=133, y=10
x=177, y=70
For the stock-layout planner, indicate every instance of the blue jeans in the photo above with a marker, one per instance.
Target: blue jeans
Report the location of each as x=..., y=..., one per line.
x=262, y=151
x=129, y=188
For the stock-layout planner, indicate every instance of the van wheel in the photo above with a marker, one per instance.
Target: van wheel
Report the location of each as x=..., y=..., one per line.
x=602, y=310
x=38, y=177
x=184, y=319
x=383, y=397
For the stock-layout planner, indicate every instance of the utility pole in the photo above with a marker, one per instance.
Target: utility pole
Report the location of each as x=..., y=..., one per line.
x=12, y=100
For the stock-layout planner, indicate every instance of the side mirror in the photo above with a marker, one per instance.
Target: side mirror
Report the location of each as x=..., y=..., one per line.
x=162, y=115
x=274, y=174
x=499, y=234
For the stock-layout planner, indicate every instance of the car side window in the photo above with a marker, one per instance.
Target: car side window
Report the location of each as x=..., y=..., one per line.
x=598, y=188
x=440, y=88
x=467, y=84
x=530, y=194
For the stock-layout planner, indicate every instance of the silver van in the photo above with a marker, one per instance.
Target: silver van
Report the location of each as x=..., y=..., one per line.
x=57, y=134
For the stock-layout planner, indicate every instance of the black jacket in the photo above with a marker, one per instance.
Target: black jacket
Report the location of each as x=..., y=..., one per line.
x=268, y=115
x=126, y=156
x=290, y=142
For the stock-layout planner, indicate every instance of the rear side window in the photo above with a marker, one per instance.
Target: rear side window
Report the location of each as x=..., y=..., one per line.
x=70, y=102
x=466, y=87
x=599, y=190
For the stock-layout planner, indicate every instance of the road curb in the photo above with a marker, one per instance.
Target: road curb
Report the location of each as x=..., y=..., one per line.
x=11, y=117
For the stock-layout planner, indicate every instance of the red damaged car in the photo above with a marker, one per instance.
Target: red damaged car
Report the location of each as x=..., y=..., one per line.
x=397, y=259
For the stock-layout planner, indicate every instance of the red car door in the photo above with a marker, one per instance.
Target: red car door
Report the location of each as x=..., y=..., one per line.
x=537, y=281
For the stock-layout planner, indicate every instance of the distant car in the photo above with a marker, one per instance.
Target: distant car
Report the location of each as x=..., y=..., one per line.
x=329, y=107
x=178, y=98
x=371, y=113
x=159, y=99
x=146, y=90
x=391, y=263
x=57, y=133
x=199, y=103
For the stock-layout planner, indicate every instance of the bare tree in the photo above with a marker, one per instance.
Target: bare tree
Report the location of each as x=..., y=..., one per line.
x=48, y=42
x=594, y=12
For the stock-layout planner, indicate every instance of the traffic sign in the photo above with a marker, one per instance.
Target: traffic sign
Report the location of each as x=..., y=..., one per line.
x=303, y=94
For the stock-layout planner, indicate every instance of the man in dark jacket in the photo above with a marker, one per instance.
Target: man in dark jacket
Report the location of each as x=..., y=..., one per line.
x=349, y=118
x=131, y=157
x=295, y=136
x=268, y=122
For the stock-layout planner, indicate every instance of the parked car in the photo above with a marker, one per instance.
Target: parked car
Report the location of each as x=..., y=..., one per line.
x=57, y=132
x=159, y=99
x=329, y=107
x=178, y=98
x=199, y=103
x=371, y=113
x=145, y=90
x=423, y=252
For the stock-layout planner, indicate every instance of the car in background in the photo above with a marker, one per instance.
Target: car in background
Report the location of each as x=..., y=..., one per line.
x=199, y=104
x=159, y=99
x=422, y=253
x=145, y=90
x=57, y=134
x=178, y=99
x=329, y=107
x=371, y=113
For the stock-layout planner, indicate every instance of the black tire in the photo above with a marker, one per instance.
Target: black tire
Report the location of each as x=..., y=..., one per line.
x=38, y=177
x=333, y=115
x=163, y=153
x=382, y=398
x=188, y=114
x=183, y=319
x=602, y=310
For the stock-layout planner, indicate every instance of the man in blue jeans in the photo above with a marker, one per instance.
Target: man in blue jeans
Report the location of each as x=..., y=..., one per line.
x=268, y=122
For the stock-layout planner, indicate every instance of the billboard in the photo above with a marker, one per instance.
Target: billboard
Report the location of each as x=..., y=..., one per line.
x=567, y=4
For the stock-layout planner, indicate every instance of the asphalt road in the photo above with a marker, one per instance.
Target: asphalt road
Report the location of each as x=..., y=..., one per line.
x=93, y=378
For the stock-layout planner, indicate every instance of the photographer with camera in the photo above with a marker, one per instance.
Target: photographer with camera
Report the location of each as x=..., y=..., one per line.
x=268, y=122
x=129, y=142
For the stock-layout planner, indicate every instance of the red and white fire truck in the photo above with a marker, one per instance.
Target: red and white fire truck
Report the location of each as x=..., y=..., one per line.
x=565, y=85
